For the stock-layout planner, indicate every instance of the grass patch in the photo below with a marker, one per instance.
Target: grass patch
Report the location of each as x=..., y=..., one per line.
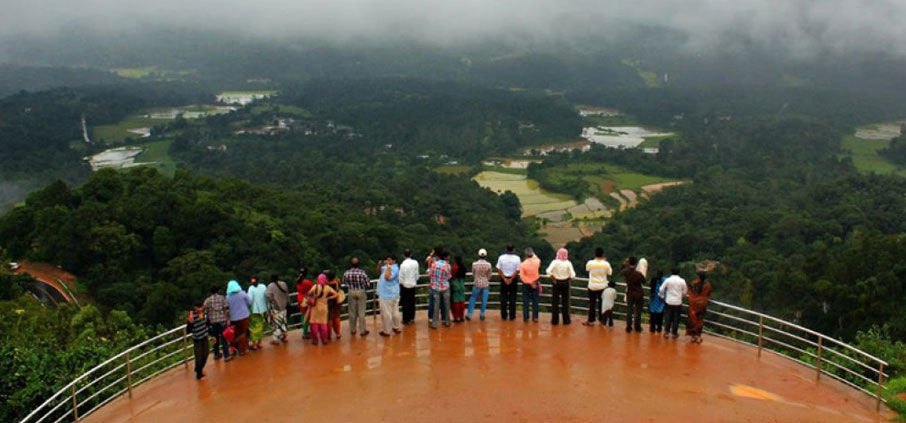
x=618, y=120
x=602, y=178
x=134, y=73
x=113, y=134
x=156, y=154
x=453, y=169
x=865, y=155
x=655, y=141
x=648, y=77
x=896, y=387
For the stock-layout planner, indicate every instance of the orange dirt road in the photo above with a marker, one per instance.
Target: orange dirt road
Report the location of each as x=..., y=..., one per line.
x=500, y=372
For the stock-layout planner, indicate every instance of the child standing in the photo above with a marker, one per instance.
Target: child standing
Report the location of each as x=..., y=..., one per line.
x=607, y=300
x=458, y=290
x=199, y=326
x=656, y=303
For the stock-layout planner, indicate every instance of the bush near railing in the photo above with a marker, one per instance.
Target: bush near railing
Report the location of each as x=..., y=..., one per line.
x=115, y=376
x=895, y=388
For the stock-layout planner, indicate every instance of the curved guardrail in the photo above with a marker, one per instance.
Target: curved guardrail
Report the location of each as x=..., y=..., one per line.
x=831, y=357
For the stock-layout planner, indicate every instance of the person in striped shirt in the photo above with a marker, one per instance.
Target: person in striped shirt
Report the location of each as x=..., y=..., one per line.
x=198, y=325
x=481, y=274
x=441, y=272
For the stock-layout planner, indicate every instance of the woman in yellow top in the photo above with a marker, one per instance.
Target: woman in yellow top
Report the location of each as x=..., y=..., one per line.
x=317, y=299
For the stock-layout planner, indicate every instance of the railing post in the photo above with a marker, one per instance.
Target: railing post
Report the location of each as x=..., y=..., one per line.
x=75, y=404
x=880, y=385
x=818, y=363
x=185, y=348
x=760, y=334
x=129, y=374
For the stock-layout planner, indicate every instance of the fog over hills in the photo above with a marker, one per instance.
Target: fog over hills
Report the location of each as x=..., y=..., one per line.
x=801, y=29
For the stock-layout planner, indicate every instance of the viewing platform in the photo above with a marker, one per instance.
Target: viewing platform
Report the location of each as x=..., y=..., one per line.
x=498, y=371
x=495, y=370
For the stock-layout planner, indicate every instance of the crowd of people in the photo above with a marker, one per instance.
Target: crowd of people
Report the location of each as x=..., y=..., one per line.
x=237, y=320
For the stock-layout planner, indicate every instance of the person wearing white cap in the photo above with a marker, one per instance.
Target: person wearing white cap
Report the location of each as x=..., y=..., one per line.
x=481, y=273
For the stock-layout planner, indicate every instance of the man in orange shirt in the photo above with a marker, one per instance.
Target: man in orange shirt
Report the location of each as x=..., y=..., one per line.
x=531, y=284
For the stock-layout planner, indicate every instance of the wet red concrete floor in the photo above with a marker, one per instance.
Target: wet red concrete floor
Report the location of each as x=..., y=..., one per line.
x=502, y=372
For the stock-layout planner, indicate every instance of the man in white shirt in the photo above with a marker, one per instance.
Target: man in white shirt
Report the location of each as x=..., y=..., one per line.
x=508, y=268
x=408, y=280
x=672, y=292
x=598, y=270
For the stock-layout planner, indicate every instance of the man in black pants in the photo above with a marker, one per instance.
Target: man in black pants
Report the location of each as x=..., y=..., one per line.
x=634, y=294
x=198, y=326
x=408, y=280
x=672, y=291
x=508, y=269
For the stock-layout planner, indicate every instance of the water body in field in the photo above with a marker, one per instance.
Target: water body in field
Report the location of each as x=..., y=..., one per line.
x=620, y=136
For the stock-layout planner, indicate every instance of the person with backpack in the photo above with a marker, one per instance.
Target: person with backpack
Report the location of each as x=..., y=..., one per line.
x=199, y=327
x=277, y=299
x=317, y=300
x=215, y=307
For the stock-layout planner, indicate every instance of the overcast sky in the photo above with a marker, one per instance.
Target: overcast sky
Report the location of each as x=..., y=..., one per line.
x=798, y=26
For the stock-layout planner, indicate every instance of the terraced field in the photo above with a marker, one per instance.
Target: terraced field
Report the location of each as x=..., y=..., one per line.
x=534, y=199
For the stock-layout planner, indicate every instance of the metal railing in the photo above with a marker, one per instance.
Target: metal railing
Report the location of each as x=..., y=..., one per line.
x=121, y=373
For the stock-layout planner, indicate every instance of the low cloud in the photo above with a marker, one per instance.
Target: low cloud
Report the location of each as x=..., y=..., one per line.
x=797, y=27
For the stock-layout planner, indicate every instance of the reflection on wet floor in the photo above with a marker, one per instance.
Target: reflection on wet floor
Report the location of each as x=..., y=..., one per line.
x=508, y=371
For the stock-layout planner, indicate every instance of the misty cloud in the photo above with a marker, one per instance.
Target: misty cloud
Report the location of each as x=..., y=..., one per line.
x=798, y=27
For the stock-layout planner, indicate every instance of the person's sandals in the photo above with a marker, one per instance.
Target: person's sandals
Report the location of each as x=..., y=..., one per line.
x=397, y=331
x=365, y=333
x=386, y=335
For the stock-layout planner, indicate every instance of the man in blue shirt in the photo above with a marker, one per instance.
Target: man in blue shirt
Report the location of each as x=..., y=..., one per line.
x=388, y=291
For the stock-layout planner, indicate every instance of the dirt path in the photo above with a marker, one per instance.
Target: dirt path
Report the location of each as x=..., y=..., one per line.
x=618, y=197
x=631, y=195
x=653, y=188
